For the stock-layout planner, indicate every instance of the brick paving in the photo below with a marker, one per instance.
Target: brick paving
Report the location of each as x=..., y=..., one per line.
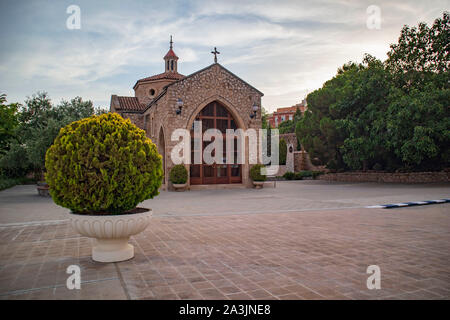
x=304, y=255
x=21, y=204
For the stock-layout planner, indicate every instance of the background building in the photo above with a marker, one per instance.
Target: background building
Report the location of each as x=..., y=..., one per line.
x=284, y=114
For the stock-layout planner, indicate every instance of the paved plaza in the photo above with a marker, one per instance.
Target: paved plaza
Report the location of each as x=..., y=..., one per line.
x=301, y=240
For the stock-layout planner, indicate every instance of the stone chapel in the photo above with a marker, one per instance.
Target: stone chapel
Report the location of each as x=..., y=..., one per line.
x=213, y=95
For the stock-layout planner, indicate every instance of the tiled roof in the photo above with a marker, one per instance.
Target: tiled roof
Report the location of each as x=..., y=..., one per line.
x=170, y=54
x=292, y=109
x=162, y=76
x=182, y=78
x=286, y=109
x=130, y=104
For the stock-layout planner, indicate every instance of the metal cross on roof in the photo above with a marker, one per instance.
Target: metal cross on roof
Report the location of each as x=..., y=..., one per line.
x=215, y=53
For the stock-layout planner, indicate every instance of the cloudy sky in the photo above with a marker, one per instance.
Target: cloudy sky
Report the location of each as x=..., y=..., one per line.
x=283, y=48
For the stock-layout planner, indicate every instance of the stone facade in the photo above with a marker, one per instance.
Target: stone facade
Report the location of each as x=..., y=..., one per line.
x=290, y=157
x=159, y=118
x=300, y=158
x=214, y=83
x=290, y=138
x=143, y=90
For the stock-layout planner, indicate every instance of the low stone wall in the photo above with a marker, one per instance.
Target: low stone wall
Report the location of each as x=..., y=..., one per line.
x=410, y=177
x=281, y=170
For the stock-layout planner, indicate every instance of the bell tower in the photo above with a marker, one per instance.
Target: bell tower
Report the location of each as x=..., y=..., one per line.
x=171, y=59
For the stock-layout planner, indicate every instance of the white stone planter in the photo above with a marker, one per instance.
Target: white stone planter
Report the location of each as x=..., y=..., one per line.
x=179, y=186
x=112, y=233
x=258, y=184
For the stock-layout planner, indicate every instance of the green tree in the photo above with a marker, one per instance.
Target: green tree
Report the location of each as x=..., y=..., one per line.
x=421, y=54
x=392, y=115
x=8, y=123
x=264, y=123
x=286, y=127
x=282, y=151
x=38, y=124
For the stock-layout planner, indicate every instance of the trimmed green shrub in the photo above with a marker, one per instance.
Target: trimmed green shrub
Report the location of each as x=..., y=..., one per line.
x=255, y=173
x=306, y=173
x=6, y=183
x=302, y=174
x=289, y=175
x=178, y=174
x=298, y=176
x=315, y=174
x=102, y=164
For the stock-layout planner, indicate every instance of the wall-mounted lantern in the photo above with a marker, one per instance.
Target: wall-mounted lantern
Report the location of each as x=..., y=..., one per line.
x=255, y=110
x=179, y=105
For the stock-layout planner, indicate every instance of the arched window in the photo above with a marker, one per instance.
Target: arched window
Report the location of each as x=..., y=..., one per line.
x=147, y=124
x=171, y=62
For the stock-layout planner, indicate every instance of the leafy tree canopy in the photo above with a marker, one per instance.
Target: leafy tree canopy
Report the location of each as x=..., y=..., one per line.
x=29, y=130
x=392, y=115
x=8, y=123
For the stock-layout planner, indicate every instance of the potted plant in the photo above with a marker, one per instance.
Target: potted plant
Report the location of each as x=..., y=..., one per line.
x=256, y=176
x=178, y=177
x=100, y=168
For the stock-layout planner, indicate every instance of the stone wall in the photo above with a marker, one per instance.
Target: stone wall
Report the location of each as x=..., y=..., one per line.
x=303, y=162
x=301, y=158
x=136, y=118
x=410, y=177
x=142, y=89
x=281, y=171
x=289, y=138
x=210, y=84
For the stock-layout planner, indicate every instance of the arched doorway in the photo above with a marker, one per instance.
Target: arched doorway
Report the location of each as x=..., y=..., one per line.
x=162, y=151
x=215, y=115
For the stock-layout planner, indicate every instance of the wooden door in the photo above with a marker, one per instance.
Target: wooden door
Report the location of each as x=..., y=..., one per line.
x=214, y=115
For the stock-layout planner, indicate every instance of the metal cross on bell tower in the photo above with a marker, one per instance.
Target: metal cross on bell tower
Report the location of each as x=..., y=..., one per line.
x=215, y=53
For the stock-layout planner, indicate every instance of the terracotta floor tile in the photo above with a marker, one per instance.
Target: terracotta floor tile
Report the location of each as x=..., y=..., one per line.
x=297, y=255
x=229, y=290
x=258, y=294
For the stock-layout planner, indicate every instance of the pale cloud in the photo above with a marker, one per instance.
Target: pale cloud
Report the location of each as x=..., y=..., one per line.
x=283, y=48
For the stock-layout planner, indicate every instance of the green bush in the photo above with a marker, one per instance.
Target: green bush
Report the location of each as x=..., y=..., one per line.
x=255, y=173
x=302, y=174
x=306, y=174
x=298, y=176
x=6, y=183
x=315, y=174
x=102, y=164
x=15, y=163
x=178, y=174
x=289, y=175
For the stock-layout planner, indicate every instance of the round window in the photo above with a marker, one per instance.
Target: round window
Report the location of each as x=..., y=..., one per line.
x=152, y=92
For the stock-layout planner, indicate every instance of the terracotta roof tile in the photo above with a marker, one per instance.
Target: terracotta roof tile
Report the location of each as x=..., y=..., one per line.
x=161, y=76
x=170, y=54
x=130, y=104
